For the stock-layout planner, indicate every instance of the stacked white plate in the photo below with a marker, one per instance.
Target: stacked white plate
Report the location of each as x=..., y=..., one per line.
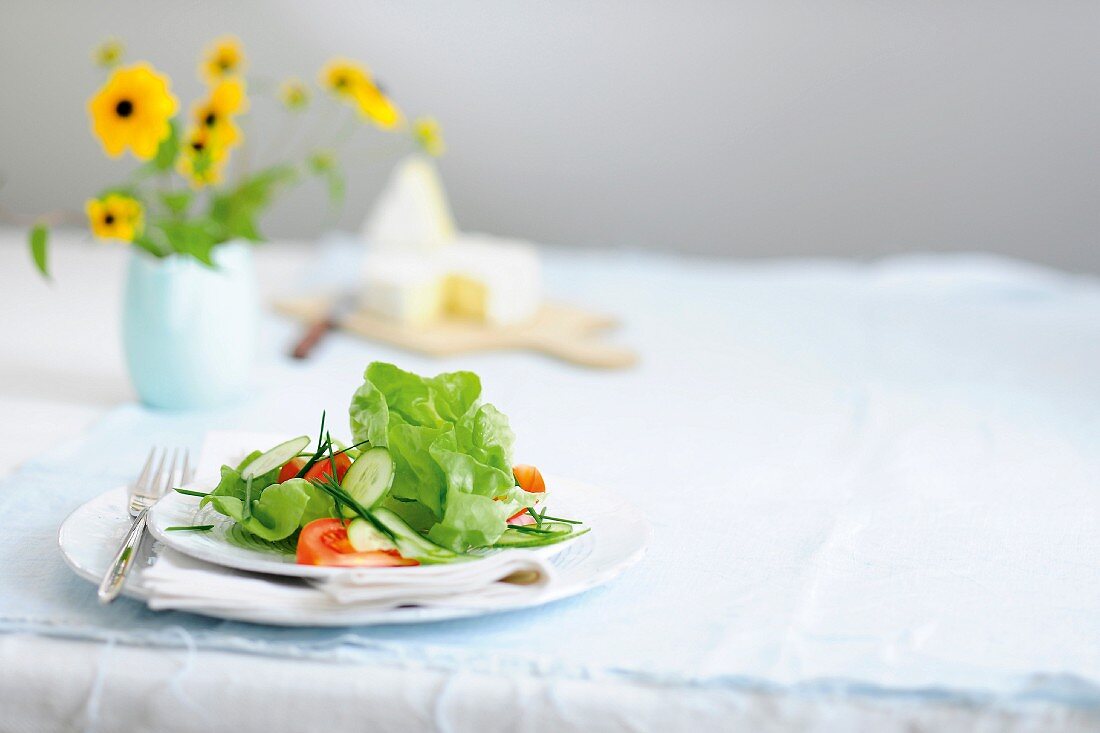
x=90, y=535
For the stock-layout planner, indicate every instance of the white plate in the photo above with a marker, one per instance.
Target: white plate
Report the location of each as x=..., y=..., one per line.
x=90, y=535
x=181, y=510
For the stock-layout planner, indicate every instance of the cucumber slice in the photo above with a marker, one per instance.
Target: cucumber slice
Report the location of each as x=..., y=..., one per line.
x=365, y=537
x=559, y=532
x=274, y=458
x=411, y=543
x=369, y=477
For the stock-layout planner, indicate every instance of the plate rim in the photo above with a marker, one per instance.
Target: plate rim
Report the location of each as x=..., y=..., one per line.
x=398, y=616
x=295, y=570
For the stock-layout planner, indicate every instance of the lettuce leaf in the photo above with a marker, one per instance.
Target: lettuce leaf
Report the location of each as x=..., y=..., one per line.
x=452, y=454
x=276, y=515
x=278, y=510
x=471, y=520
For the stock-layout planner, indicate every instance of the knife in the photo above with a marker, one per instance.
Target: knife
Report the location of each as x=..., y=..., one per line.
x=342, y=307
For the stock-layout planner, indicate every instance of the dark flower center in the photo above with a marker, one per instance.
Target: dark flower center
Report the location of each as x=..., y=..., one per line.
x=197, y=146
x=124, y=108
x=225, y=64
x=210, y=119
x=341, y=81
x=109, y=219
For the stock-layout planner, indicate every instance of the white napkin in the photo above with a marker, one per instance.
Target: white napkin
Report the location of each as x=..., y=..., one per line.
x=508, y=579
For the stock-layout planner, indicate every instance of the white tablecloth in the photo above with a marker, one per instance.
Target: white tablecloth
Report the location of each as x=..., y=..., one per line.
x=927, y=428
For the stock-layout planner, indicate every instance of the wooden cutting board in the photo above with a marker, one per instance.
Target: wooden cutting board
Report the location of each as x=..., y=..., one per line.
x=561, y=331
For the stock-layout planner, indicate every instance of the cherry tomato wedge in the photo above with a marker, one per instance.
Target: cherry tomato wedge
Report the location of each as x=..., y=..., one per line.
x=321, y=468
x=291, y=468
x=521, y=518
x=325, y=542
x=529, y=479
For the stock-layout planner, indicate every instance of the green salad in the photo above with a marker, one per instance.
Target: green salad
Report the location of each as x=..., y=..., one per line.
x=428, y=477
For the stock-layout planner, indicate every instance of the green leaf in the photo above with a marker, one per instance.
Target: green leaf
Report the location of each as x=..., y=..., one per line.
x=273, y=516
x=195, y=237
x=147, y=244
x=279, y=510
x=239, y=536
x=470, y=521
x=177, y=202
x=452, y=454
x=369, y=414
x=231, y=483
x=167, y=151
x=235, y=211
x=416, y=473
x=38, y=240
x=277, y=514
x=465, y=472
x=319, y=505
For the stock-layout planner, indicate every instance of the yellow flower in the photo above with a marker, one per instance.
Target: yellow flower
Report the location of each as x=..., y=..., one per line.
x=376, y=106
x=132, y=110
x=344, y=77
x=200, y=162
x=294, y=94
x=223, y=58
x=429, y=135
x=215, y=113
x=351, y=81
x=115, y=217
x=108, y=53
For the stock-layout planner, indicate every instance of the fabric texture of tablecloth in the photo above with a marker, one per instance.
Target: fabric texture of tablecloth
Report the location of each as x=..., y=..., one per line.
x=878, y=479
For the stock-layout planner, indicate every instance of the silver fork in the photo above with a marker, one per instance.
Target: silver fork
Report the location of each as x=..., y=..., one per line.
x=149, y=487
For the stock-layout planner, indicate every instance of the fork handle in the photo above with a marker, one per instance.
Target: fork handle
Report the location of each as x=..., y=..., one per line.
x=115, y=578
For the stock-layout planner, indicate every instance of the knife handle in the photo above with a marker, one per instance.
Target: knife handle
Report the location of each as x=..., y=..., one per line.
x=312, y=337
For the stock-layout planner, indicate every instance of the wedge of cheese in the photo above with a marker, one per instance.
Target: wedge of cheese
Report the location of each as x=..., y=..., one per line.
x=412, y=213
x=474, y=278
x=420, y=270
x=492, y=280
x=402, y=287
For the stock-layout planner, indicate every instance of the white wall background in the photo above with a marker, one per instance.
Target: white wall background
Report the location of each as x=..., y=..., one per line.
x=742, y=128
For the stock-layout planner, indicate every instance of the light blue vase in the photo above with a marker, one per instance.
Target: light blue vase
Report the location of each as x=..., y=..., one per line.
x=189, y=330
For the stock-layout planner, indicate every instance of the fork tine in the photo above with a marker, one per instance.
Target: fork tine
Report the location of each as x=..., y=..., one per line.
x=150, y=488
x=185, y=472
x=144, y=475
x=163, y=489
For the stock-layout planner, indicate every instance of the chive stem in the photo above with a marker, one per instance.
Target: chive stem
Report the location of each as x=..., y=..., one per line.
x=189, y=492
x=560, y=519
x=247, y=498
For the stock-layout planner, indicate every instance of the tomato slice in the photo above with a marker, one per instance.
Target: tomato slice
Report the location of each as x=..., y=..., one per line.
x=529, y=479
x=521, y=518
x=323, y=467
x=319, y=469
x=325, y=542
x=291, y=468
